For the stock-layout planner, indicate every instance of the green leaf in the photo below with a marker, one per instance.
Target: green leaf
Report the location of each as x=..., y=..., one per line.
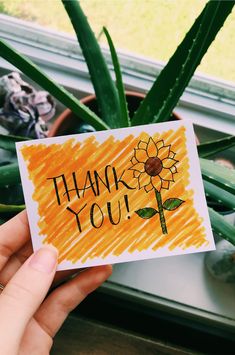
x=2, y=221
x=172, y=204
x=221, y=227
x=105, y=90
x=209, y=148
x=62, y=95
x=9, y=175
x=124, y=119
x=11, y=208
x=146, y=213
x=173, y=79
x=7, y=142
x=219, y=195
x=218, y=175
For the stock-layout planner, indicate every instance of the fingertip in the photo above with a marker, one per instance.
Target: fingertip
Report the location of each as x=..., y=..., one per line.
x=52, y=248
x=102, y=273
x=44, y=259
x=109, y=269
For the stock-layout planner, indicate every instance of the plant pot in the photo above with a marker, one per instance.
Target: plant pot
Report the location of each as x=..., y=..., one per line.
x=68, y=123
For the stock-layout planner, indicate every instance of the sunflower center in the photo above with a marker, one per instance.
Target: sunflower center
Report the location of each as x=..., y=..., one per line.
x=153, y=166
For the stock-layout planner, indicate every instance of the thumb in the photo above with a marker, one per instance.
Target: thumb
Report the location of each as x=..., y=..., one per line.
x=23, y=295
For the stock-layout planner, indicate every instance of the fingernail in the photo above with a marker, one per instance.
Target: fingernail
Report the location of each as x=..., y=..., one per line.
x=44, y=260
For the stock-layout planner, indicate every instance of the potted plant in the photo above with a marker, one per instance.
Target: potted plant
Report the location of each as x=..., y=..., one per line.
x=157, y=106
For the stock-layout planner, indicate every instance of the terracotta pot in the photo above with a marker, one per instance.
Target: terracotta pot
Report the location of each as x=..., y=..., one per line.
x=67, y=122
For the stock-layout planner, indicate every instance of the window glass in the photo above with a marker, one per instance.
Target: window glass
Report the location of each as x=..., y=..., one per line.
x=150, y=28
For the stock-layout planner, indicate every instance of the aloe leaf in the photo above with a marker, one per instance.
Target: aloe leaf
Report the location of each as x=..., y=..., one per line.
x=37, y=75
x=7, y=142
x=105, y=90
x=170, y=84
x=124, y=118
x=219, y=195
x=9, y=174
x=218, y=175
x=222, y=227
x=209, y=148
x=2, y=221
x=11, y=208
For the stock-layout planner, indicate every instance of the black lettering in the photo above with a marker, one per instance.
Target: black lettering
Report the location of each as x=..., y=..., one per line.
x=56, y=187
x=110, y=213
x=90, y=184
x=74, y=189
x=76, y=214
x=119, y=180
x=92, y=213
x=98, y=179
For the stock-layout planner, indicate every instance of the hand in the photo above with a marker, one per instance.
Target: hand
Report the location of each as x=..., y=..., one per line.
x=28, y=320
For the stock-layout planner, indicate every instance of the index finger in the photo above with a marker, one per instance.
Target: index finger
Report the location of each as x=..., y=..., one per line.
x=13, y=235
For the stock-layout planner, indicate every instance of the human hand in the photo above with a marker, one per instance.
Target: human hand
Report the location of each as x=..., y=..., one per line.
x=28, y=320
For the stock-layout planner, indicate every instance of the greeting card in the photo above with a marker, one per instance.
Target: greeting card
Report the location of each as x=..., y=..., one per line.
x=117, y=195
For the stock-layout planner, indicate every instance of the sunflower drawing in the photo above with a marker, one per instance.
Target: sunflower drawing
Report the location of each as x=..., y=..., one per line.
x=154, y=165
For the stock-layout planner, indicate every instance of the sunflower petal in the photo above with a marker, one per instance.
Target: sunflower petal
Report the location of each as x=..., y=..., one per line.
x=133, y=161
x=156, y=181
x=165, y=184
x=166, y=174
x=148, y=187
x=139, y=167
x=168, y=162
x=172, y=154
x=151, y=148
x=160, y=144
x=174, y=169
x=144, y=180
x=141, y=155
x=142, y=145
x=136, y=174
x=164, y=152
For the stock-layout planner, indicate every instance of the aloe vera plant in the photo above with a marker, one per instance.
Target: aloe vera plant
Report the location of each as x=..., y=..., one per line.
x=156, y=107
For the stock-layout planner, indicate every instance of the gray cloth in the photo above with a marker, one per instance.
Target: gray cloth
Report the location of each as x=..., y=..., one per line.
x=24, y=111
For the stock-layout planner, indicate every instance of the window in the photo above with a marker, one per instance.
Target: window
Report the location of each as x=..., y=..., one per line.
x=207, y=101
x=150, y=28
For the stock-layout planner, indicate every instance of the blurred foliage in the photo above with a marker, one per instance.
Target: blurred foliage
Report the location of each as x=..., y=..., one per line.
x=155, y=29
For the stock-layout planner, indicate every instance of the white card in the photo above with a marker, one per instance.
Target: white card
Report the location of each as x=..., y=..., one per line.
x=116, y=196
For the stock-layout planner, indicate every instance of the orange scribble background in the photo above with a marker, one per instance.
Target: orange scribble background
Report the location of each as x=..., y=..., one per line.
x=132, y=234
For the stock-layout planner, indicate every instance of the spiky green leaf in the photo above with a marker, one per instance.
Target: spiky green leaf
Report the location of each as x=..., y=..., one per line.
x=105, y=90
x=11, y=208
x=9, y=174
x=124, y=117
x=37, y=75
x=210, y=148
x=219, y=195
x=218, y=175
x=173, y=79
x=222, y=227
x=7, y=142
x=2, y=221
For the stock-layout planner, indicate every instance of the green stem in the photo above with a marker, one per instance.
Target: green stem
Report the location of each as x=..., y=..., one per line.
x=161, y=212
